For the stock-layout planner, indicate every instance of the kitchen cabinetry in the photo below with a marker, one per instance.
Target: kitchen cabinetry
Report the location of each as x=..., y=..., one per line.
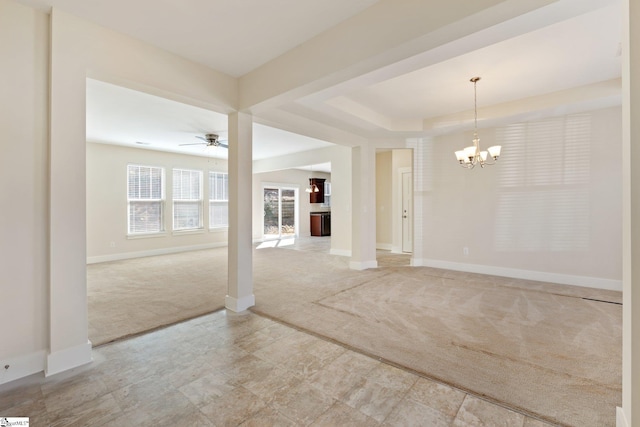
x=320, y=223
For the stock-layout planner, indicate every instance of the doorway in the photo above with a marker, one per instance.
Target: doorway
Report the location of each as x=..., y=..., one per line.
x=280, y=212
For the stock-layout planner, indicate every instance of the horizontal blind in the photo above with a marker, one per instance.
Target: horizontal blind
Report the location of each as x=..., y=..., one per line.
x=144, y=182
x=186, y=184
x=219, y=186
x=187, y=199
x=218, y=199
x=145, y=199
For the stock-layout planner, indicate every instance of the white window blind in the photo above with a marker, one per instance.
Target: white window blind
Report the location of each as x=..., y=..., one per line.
x=544, y=202
x=145, y=197
x=187, y=199
x=218, y=199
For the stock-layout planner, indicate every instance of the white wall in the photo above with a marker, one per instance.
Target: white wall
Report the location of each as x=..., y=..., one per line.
x=107, y=203
x=44, y=70
x=24, y=251
x=341, y=203
x=557, y=214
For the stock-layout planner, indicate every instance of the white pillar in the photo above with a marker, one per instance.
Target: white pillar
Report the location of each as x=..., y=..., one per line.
x=69, y=345
x=240, y=288
x=629, y=414
x=363, y=221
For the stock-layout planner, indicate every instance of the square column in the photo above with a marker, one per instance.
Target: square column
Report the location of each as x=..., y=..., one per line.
x=240, y=287
x=363, y=220
x=69, y=345
x=629, y=413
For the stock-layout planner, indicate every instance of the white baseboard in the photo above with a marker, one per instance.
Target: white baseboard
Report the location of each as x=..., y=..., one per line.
x=68, y=358
x=416, y=262
x=239, y=304
x=153, y=252
x=23, y=366
x=384, y=246
x=542, y=276
x=340, y=252
x=621, y=418
x=396, y=250
x=363, y=265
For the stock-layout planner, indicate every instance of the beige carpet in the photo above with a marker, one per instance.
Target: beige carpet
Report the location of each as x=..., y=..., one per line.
x=535, y=347
x=137, y=295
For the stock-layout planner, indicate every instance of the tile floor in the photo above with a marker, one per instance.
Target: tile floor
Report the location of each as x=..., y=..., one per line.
x=227, y=369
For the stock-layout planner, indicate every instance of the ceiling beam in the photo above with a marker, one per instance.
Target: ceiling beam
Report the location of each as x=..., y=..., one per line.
x=385, y=33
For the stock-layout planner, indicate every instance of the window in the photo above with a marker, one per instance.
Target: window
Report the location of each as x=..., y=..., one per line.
x=187, y=199
x=218, y=200
x=145, y=197
x=327, y=195
x=544, y=203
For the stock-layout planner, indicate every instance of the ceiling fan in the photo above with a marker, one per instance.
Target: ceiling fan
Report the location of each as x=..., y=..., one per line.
x=210, y=140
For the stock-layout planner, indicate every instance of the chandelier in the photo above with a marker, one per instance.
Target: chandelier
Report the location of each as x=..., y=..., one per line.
x=471, y=156
x=312, y=188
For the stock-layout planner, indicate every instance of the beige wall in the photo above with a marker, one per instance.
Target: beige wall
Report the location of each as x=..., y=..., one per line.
x=558, y=214
x=24, y=247
x=384, y=200
x=107, y=204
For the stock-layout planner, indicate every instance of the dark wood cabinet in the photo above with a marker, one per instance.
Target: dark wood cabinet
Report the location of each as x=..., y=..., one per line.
x=320, y=223
x=317, y=197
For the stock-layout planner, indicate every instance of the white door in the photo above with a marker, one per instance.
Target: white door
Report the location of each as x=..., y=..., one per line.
x=407, y=210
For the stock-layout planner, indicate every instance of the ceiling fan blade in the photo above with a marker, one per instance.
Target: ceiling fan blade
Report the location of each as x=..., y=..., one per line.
x=195, y=143
x=223, y=145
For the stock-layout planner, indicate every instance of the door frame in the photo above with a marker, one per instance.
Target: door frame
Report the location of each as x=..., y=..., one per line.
x=280, y=187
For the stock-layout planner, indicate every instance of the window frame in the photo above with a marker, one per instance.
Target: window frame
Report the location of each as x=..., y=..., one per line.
x=221, y=201
x=187, y=201
x=160, y=201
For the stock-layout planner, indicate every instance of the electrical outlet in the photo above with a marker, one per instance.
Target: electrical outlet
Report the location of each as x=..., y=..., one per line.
x=465, y=251
x=112, y=244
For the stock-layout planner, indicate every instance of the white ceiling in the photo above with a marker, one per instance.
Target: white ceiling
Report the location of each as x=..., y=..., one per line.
x=121, y=116
x=232, y=36
x=553, y=58
x=568, y=51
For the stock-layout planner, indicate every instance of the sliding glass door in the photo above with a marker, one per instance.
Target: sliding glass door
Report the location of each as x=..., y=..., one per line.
x=280, y=212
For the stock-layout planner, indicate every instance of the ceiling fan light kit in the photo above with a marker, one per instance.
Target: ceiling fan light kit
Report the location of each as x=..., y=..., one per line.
x=471, y=156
